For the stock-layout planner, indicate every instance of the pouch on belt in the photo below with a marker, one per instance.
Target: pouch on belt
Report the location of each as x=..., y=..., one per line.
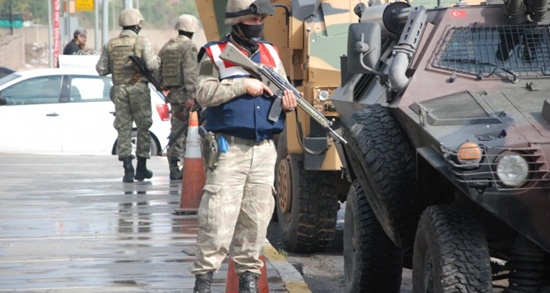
x=210, y=150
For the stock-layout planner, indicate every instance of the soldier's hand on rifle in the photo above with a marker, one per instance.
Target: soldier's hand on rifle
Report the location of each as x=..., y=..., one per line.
x=166, y=92
x=256, y=88
x=288, y=102
x=189, y=103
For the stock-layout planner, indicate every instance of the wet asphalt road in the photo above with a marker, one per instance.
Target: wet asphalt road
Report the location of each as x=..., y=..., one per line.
x=69, y=224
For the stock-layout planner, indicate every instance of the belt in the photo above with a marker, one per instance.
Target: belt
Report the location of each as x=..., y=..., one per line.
x=237, y=140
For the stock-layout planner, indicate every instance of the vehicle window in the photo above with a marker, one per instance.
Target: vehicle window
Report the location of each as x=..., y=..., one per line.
x=38, y=90
x=89, y=89
x=9, y=78
x=482, y=50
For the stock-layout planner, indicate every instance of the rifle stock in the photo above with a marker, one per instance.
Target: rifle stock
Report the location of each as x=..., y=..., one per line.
x=277, y=84
x=138, y=63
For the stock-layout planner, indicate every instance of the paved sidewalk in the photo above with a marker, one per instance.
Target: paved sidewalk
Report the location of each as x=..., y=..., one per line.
x=69, y=224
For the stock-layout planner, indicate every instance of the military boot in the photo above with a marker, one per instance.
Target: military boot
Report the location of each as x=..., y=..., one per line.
x=203, y=282
x=128, y=170
x=248, y=282
x=175, y=172
x=141, y=171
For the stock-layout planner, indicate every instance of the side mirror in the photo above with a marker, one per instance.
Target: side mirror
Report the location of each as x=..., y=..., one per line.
x=364, y=44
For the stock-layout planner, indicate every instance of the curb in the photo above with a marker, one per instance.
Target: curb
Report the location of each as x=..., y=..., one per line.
x=293, y=280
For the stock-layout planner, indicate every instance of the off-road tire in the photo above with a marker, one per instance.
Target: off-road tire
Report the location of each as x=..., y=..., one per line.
x=372, y=262
x=384, y=162
x=310, y=226
x=450, y=253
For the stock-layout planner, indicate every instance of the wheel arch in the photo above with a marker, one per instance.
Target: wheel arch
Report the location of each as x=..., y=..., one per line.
x=153, y=136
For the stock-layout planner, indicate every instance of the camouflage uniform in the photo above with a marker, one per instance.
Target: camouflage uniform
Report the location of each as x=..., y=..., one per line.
x=130, y=92
x=178, y=74
x=132, y=99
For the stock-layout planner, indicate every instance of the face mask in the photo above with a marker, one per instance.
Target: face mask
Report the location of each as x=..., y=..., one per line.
x=252, y=31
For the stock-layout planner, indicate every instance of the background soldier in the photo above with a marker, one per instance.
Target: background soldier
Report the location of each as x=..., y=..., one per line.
x=130, y=92
x=237, y=202
x=178, y=76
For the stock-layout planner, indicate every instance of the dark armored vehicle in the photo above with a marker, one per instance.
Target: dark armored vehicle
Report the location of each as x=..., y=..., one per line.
x=447, y=116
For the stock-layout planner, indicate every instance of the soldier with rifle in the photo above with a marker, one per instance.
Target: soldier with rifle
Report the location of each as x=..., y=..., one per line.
x=178, y=75
x=237, y=202
x=130, y=92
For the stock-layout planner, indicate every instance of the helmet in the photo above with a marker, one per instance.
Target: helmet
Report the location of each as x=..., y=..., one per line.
x=129, y=17
x=188, y=23
x=238, y=10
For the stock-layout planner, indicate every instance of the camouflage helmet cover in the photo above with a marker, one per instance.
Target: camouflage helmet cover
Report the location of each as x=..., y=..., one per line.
x=188, y=23
x=238, y=10
x=129, y=17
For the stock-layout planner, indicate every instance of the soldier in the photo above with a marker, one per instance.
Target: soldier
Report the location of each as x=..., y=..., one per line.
x=237, y=202
x=178, y=76
x=130, y=92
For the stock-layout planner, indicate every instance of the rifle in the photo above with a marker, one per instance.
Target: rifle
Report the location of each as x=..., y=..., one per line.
x=173, y=136
x=142, y=69
x=277, y=84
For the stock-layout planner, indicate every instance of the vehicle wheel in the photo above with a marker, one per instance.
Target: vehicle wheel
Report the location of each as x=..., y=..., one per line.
x=371, y=260
x=384, y=162
x=155, y=147
x=306, y=204
x=450, y=253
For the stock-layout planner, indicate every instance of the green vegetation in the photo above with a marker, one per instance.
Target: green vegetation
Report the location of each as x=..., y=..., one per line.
x=157, y=14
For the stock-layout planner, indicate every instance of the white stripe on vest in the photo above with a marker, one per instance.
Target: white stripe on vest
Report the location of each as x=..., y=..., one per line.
x=237, y=71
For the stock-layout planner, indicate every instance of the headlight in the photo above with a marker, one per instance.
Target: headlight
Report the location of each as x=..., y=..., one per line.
x=323, y=95
x=512, y=169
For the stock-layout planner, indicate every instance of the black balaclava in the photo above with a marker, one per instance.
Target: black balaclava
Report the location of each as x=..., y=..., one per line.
x=185, y=33
x=247, y=35
x=135, y=28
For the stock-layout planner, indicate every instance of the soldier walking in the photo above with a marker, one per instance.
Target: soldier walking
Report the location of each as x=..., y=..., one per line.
x=178, y=76
x=130, y=92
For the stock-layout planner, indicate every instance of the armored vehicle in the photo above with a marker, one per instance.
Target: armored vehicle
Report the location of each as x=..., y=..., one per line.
x=311, y=36
x=447, y=116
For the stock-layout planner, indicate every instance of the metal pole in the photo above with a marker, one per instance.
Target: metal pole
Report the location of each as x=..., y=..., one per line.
x=50, y=34
x=96, y=26
x=68, y=19
x=105, y=21
x=11, y=19
x=128, y=4
x=137, y=4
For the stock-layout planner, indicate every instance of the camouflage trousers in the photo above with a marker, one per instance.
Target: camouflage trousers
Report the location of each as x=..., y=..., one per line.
x=237, y=204
x=177, y=149
x=132, y=104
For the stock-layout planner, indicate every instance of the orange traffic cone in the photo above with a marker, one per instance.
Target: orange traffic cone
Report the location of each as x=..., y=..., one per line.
x=193, y=179
x=232, y=285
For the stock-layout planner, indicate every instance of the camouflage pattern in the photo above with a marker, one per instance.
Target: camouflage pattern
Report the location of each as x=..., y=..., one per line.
x=179, y=66
x=177, y=149
x=237, y=199
x=132, y=104
x=178, y=74
x=131, y=97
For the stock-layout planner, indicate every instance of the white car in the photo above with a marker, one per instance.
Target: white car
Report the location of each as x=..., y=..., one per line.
x=66, y=111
